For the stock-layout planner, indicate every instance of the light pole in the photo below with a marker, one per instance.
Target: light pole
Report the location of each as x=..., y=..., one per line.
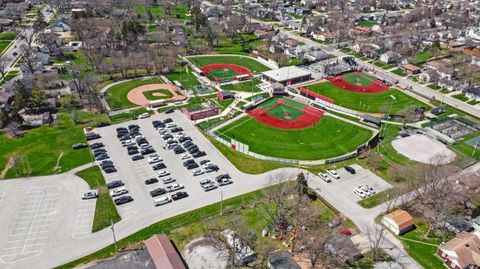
x=113, y=233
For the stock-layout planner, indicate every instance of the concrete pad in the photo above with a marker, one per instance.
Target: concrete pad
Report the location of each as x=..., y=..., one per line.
x=204, y=252
x=424, y=149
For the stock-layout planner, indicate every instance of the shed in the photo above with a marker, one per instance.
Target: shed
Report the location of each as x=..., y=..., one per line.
x=163, y=253
x=398, y=221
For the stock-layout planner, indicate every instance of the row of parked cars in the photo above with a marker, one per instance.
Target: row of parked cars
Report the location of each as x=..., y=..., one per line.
x=330, y=174
x=364, y=191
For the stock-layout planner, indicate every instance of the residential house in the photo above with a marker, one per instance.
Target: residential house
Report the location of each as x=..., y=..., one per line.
x=303, y=11
x=180, y=40
x=163, y=253
x=361, y=30
x=282, y=260
x=306, y=3
x=446, y=72
x=457, y=224
x=429, y=76
x=448, y=84
x=343, y=248
x=315, y=55
x=461, y=252
x=410, y=68
x=390, y=57
x=243, y=253
x=398, y=221
x=276, y=49
x=472, y=92
x=62, y=24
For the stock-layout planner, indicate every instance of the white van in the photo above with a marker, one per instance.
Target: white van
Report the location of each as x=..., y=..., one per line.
x=161, y=201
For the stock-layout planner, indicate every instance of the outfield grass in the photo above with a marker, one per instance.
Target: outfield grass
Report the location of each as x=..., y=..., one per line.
x=150, y=94
x=250, y=64
x=247, y=86
x=328, y=138
x=367, y=102
x=117, y=95
x=122, y=117
x=185, y=77
x=105, y=210
x=40, y=149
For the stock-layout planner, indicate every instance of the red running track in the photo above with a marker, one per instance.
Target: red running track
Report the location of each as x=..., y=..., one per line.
x=376, y=87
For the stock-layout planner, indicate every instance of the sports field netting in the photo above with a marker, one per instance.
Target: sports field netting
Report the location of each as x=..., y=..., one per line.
x=286, y=113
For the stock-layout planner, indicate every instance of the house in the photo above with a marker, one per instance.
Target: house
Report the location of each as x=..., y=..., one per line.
x=306, y=3
x=472, y=92
x=446, y=72
x=243, y=253
x=361, y=30
x=343, y=248
x=224, y=95
x=457, y=224
x=278, y=89
x=429, y=76
x=398, y=221
x=62, y=24
x=410, y=68
x=276, y=48
x=461, y=252
x=390, y=57
x=180, y=40
x=163, y=252
x=448, y=84
x=282, y=260
x=439, y=110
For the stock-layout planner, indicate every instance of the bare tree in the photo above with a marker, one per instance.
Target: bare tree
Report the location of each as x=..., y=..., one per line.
x=4, y=64
x=376, y=237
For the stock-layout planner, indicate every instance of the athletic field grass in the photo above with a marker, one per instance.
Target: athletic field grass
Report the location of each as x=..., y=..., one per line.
x=328, y=138
x=363, y=79
x=222, y=73
x=249, y=63
x=272, y=101
x=247, y=86
x=280, y=111
x=150, y=94
x=105, y=210
x=117, y=95
x=367, y=102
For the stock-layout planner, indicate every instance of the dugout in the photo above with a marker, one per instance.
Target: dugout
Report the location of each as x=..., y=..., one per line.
x=372, y=119
x=287, y=75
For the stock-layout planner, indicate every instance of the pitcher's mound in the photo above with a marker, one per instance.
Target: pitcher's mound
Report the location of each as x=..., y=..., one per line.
x=424, y=149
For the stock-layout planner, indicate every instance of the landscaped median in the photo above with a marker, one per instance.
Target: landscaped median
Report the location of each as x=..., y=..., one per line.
x=105, y=210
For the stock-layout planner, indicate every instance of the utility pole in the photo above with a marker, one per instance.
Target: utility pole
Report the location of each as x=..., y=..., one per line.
x=113, y=233
x=221, y=202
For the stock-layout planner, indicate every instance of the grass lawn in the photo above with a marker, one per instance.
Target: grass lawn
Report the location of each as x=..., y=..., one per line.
x=460, y=97
x=467, y=149
x=328, y=138
x=473, y=102
x=367, y=102
x=373, y=200
x=122, y=117
x=117, y=95
x=41, y=148
x=422, y=253
x=185, y=77
x=4, y=45
x=422, y=57
x=150, y=95
x=247, y=86
x=9, y=76
x=227, y=45
x=223, y=104
x=434, y=87
x=105, y=210
x=366, y=23
x=399, y=72
x=7, y=36
x=250, y=64
x=186, y=226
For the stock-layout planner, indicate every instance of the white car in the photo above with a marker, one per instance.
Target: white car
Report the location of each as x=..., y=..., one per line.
x=370, y=189
x=144, y=116
x=324, y=177
x=167, y=180
x=359, y=193
x=127, y=143
x=162, y=173
x=171, y=125
x=333, y=173
x=118, y=192
x=89, y=195
x=208, y=185
x=198, y=172
x=174, y=187
x=185, y=156
x=365, y=190
x=162, y=200
x=154, y=159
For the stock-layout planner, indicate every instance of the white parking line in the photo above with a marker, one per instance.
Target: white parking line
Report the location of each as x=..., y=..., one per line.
x=25, y=246
x=30, y=239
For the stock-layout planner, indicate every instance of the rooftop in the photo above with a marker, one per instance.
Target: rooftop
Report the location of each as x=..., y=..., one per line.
x=286, y=73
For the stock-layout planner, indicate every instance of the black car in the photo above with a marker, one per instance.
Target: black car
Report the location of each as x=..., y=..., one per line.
x=202, y=162
x=178, y=150
x=167, y=120
x=102, y=157
x=168, y=111
x=100, y=154
x=167, y=136
x=172, y=142
x=109, y=170
x=158, y=191
x=79, y=146
x=148, y=151
x=97, y=145
x=223, y=176
x=199, y=154
x=350, y=169
x=176, y=130
x=192, y=166
x=115, y=184
x=121, y=129
x=99, y=150
x=123, y=200
x=191, y=147
x=132, y=152
x=179, y=195
x=106, y=162
x=92, y=136
x=103, y=124
x=122, y=135
x=137, y=157
x=193, y=151
x=188, y=144
x=211, y=168
x=132, y=148
x=159, y=166
x=133, y=126
x=151, y=181
x=184, y=138
x=187, y=162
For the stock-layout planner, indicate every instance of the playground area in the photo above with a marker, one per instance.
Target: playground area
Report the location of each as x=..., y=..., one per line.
x=358, y=81
x=145, y=94
x=285, y=113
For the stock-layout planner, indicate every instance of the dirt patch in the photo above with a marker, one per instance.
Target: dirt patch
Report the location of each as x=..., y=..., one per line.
x=204, y=252
x=424, y=149
x=137, y=97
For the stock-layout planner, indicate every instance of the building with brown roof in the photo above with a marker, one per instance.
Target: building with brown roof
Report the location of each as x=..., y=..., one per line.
x=163, y=253
x=461, y=252
x=398, y=221
x=410, y=68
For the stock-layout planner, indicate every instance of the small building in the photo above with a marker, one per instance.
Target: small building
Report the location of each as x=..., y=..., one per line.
x=278, y=89
x=202, y=111
x=243, y=253
x=461, y=252
x=429, y=76
x=410, y=68
x=282, y=260
x=288, y=75
x=224, y=95
x=371, y=119
x=343, y=248
x=390, y=57
x=163, y=253
x=398, y=221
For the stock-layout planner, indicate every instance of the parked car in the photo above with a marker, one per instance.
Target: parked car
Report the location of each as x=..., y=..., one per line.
x=118, y=192
x=198, y=172
x=97, y=145
x=147, y=151
x=161, y=201
x=103, y=124
x=199, y=154
x=192, y=166
x=223, y=176
x=224, y=181
x=174, y=187
x=123, y=200
x=115, y=184
x=154, y=158
x=109, y=170
x=185, y=156
x=144, y=116
x=350, y=169
x=133, y=152
x=137, y=157
x=151, y=181
x=359, y=193
x=324, y=177
x=168, y=111
x=179, y=195
x=207, y=185
x=333, y=174
x=79, y=146
x=163, y=173
x=159, y=166
x=102, y=157
x=157, y=192
x=89, y=195
x=370, y=189
x=167, y=180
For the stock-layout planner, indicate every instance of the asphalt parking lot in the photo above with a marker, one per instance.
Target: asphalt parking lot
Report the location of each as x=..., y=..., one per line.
x=134, y=173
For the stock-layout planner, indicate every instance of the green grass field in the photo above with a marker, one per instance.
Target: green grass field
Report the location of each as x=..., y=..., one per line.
x=355, y=79
x=272, y=101
x=117, y=95
x=328, y=138
x=4, y=45
x=41, y=148
x=7, y=36
x=367, y=102
x=280, y=111
x=150, y=95
x=105, y=210
x=222, y=73
x=185, y=77
x=250, y=64
x=247, y=86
